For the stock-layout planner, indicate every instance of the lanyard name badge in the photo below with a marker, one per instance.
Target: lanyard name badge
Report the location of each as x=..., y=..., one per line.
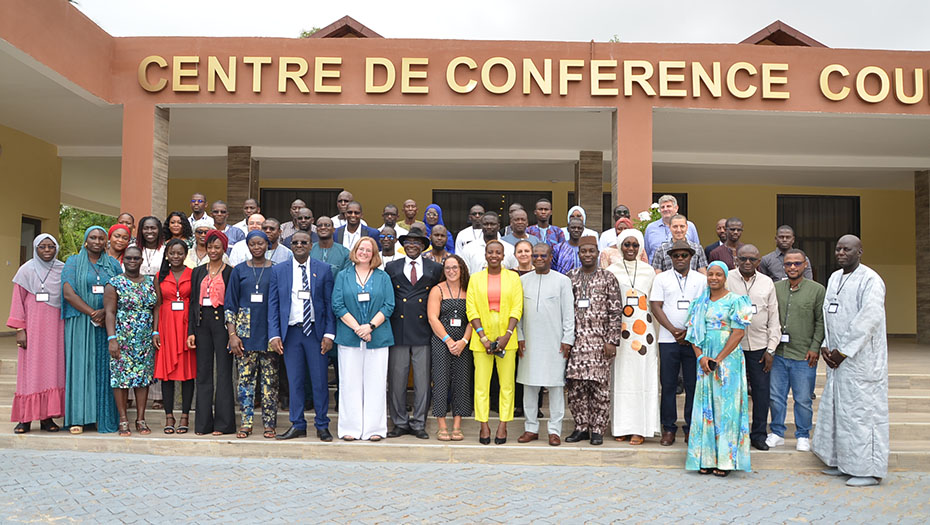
x=583, y=301
x=632, y=300
x=177, y=305
x=834, y=306
x=96, y=289
x=363, y=296
x=683, y=304
x=303, y=295
x=42, y=296
x=256, y=296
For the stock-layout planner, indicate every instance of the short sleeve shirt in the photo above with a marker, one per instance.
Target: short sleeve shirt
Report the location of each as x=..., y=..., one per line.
x=670, y=288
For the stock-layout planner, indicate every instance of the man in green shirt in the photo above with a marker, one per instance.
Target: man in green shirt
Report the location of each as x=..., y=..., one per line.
x=800, y=310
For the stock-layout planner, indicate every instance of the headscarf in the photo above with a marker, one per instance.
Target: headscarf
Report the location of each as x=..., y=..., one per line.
x=632, y=232
x=75, y=273
x=35, y=272
x=202, y=223
x=256, y=233
x=584, y=215
x=216, y=234
x=696, y=325
x=450, y=242
x=625, y=222
x=118, y=227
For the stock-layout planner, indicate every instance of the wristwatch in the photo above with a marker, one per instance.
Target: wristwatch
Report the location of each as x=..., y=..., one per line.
x=372, y=325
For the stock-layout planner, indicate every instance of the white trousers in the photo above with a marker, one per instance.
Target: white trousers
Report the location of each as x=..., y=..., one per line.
x=362, y=391
x=556, y=408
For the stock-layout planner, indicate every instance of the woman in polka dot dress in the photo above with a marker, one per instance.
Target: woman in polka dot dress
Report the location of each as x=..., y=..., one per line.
x=635, y=372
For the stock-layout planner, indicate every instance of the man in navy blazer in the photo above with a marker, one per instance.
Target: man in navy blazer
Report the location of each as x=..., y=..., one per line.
x=353, y=230
x=301, y=323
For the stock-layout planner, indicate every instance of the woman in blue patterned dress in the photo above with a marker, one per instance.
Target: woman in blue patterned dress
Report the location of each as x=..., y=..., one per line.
x=719, y=439
x=129, y=300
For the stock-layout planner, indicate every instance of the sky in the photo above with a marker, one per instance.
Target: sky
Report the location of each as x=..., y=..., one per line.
x=888, y=24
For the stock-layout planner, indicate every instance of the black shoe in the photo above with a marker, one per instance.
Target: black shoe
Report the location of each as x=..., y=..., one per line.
x=759, y=444
x=518, y=412
x=539, y=413
x=398, y=431
x=485, y=440
x=577, y=436
x=292, y=433
x=324, y=434
x=420, y=434
x=500, y=441
x=597, y=439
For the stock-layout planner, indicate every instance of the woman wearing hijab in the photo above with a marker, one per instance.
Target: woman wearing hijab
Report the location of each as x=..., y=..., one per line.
x=35, y=313
x=120, y=237
x=717, y=321
x=88, y=397
x=197, y=254
x=433, y=216
x=635, y=386
x=577, y=212
x=207, y=336
x=246, y=305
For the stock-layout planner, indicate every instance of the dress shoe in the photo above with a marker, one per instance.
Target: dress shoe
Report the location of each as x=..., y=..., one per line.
x=324, y=434
x=577, y=436
x=518, y=412
x=398, y=431
x=292, y=433
x=527, y=437
x=597, y=439
x=554, y=440
x=420, y=434
x=484, y=440
x=687, y=433
x=668, y=438
x=499, y=440
x=866, y=481
x=759, y=445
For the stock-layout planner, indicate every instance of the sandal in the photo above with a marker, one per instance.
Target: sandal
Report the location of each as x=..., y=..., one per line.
x=183, y=428
x=244, y=432
x=123, y=428
x=622, y=438
x=704, y=471
x=22, y=428
x=349, y=438
x=169, y=429
x=269, y=433
x=375, y=438
x=158, y=405
x=142, y=427
x=721, y=473
x=76, y=429
x=636, y=440
x=217, y=433
x=457, y=434
x=49, y=425
x=443, y=435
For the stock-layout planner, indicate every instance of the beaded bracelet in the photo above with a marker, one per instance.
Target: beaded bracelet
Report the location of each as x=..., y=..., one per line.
x=112, y=337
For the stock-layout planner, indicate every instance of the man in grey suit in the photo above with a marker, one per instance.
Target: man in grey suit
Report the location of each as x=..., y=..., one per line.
x=412, y=278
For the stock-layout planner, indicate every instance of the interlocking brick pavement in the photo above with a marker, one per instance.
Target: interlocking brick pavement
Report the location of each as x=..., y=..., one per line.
x=44, y=486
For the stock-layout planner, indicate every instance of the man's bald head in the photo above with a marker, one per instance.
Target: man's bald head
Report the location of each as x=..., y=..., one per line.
x=747, y=250
x=848, y=252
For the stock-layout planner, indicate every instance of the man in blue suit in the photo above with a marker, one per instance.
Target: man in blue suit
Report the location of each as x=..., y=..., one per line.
x=353, y=230
x=301, y=323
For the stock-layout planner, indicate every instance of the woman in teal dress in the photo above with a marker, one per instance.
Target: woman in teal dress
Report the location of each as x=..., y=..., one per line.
x=88, y=398
x=129, y=301
x=719, y=440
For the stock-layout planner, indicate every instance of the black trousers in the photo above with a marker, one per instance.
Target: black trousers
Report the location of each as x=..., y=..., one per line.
x=672, y=358
x=216, y=404
x=759, y=382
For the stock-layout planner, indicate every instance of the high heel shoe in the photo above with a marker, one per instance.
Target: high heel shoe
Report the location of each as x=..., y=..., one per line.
x=500, y=440
x=484, y=440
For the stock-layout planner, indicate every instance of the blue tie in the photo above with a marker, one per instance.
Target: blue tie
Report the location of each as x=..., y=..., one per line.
x=308, y=303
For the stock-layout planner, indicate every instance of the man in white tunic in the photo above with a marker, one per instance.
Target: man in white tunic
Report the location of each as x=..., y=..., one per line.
x=545, y=336
x=851, y=435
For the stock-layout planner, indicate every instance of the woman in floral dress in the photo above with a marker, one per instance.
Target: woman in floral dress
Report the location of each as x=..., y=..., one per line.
x=719, y=439
x=130, y=299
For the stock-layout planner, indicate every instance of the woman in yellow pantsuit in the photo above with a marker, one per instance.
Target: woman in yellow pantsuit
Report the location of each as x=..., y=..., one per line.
x=494, y=304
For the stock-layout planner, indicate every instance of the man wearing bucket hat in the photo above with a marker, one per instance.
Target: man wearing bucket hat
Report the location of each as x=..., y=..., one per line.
x=412, y=278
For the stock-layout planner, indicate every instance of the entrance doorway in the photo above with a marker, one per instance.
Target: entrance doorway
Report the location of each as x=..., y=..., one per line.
x=31, y=228
x=818, y=222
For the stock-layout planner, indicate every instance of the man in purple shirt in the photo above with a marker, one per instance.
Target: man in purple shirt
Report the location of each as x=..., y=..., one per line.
x=543, y=230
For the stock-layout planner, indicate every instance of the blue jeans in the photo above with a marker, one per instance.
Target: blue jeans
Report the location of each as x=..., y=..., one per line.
x=800, y=378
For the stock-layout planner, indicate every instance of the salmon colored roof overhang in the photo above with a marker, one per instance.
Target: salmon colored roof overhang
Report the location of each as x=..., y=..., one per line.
x=781, y=34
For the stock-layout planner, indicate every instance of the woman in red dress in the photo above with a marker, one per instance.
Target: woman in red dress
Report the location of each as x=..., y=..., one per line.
x=174, y=360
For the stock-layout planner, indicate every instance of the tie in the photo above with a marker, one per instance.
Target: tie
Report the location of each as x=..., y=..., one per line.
x=308, y=304
x=413, y=272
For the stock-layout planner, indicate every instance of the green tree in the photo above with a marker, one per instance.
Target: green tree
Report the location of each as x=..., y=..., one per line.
x=615, y=38
x=72, y=222
x=306, y=34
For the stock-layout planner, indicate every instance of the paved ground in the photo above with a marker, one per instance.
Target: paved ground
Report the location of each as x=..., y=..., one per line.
x=86, y=487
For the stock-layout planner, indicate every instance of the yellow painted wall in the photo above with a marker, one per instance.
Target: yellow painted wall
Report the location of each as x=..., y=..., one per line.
x=887, y=227
x=31, y=173
x=888, y=250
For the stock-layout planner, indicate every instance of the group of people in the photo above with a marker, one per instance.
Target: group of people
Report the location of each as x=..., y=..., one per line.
x=610, y=322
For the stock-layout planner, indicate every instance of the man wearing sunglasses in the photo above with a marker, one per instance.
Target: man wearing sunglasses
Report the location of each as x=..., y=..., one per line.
x=198, y=210
x=388, y=246
x=679, y=228
x=355, y=228
x=794, y=367
x=670, y=298
x=342, y=204
x=472, y=234
x=761, y=337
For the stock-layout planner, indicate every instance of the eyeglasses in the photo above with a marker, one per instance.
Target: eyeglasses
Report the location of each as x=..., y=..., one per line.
x=299, y=243
x=539, y=256
x=201, y=232
x=194, y=201
x=475, y=214
x=388, y=237
x=679, y=255
x=631, y=245
x=792, y=264
x=745, y=259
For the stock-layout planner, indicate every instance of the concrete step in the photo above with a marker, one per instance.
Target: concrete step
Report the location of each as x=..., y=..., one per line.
x=909, y=455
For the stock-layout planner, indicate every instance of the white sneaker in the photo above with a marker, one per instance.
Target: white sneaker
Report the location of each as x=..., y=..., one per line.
x=804, y=444
x=774, y=440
